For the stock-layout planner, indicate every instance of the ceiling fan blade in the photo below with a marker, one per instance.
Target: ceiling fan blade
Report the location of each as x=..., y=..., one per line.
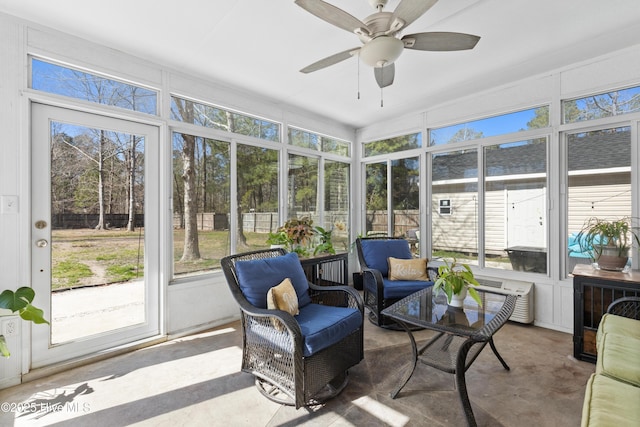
x=440, y=41
x=385, y=75
x=410, y=10
x=332, y=15
x=330, y=60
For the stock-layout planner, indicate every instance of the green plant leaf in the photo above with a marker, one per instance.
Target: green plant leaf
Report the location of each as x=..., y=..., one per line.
x=475, y=295
x=17, y=300
x=6, y=300
x=20, y=302
x=33, y=314
x=449, y=291
x=4, y=350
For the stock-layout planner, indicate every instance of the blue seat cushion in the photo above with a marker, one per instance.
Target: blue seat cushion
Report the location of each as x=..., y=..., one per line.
x=376, y=252
x=325, y=325
x=395, y=289
x=257, y=276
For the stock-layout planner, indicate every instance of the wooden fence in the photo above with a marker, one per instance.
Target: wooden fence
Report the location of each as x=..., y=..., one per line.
x=76, y=221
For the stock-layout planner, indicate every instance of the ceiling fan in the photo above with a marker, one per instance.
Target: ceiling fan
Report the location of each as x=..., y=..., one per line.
x=380, y=35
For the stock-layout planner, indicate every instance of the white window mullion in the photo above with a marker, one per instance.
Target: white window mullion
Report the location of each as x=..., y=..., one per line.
x=233, y=183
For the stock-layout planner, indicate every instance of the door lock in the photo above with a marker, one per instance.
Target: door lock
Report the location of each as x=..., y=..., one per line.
x=41, y=224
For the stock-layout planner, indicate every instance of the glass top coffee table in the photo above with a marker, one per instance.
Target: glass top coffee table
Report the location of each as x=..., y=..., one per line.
x=462, y=333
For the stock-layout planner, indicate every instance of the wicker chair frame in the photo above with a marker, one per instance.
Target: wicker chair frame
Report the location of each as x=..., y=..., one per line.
x=626, y=307
x=373, y=287
x=276, y=359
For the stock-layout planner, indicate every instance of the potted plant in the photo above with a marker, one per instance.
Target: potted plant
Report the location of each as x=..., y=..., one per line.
x=20, y=302
x=456, y=280
x=299, y=231
x=607, y=241
x=325, y=245
x=278, y=239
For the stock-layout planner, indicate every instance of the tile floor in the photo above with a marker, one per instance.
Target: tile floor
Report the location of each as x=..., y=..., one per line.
x=196, y=381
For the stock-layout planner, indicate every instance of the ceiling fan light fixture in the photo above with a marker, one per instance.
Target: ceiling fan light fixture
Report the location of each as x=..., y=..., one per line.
x=381, y=51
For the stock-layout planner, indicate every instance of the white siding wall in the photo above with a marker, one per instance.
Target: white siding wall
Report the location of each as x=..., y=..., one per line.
x=496, y=220
x=580, y=206
x=457, y=231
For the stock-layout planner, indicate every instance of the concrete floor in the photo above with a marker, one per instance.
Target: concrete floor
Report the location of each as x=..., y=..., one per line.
x=196, y=381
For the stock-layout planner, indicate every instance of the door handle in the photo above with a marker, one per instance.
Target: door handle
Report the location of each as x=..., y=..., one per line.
x=42, y=243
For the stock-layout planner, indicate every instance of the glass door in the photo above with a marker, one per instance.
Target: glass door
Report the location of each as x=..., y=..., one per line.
x=95, y=232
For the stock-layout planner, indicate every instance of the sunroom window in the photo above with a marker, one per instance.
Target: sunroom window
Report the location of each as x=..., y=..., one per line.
x=606, y=104
x=512, y=197
x=599, y=183
x=317, y=142
x=337, y=179
x=515, y=213
x=393, y=145
x=74, y=83
x=201, y=203
x=210, y=116
x=454, y=177
x=399, y=214
x=303, y=187
x=533, y=118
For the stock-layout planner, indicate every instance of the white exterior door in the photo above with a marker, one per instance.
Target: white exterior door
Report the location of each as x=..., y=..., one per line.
x=526, y=217
x=94, y=232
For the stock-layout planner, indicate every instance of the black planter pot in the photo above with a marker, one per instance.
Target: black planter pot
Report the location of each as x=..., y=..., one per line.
x=357, y=281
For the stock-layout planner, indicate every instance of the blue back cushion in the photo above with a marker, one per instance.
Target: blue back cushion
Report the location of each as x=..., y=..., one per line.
x=257, y=276
x=397, y=289
x=376, y=252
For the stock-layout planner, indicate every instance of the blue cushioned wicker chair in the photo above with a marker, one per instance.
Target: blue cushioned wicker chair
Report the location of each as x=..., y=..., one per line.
x=379, y=291
x=296, y=360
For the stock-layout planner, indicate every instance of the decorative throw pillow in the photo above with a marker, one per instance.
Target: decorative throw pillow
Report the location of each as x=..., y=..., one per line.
x=283, y=297
x=377, y=251
x=408, y=269
x=255, y=277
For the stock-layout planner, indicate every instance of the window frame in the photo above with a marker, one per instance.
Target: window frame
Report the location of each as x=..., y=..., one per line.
x=480, y=144
x=631, y=120
x=93, y=72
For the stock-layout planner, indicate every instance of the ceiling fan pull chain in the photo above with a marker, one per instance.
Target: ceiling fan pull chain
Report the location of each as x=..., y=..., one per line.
x=358, y=74
x=381, y=93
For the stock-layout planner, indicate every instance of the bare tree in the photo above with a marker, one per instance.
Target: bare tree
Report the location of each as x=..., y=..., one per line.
x=100, y=161
x=131, y=175
x=191, y=243
x=191, y=249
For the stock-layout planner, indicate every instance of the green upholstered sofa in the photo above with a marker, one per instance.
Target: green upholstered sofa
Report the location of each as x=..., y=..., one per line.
x=612, y=397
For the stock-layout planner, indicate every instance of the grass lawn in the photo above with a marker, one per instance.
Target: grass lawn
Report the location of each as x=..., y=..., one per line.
x=85, y=257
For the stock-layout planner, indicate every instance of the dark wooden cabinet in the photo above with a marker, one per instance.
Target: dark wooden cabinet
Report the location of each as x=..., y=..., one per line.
x=593, y=291
x=327, y=269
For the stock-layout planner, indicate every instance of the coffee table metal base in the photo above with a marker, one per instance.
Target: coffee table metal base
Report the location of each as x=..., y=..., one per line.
x=451, y=354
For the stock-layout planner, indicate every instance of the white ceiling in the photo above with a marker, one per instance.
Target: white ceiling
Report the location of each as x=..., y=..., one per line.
x=260, y=45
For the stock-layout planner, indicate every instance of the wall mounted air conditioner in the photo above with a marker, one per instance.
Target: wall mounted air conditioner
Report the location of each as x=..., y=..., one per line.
x=523, y=312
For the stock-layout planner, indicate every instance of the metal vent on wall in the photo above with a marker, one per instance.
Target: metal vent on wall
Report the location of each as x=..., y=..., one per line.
x=523, y=312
